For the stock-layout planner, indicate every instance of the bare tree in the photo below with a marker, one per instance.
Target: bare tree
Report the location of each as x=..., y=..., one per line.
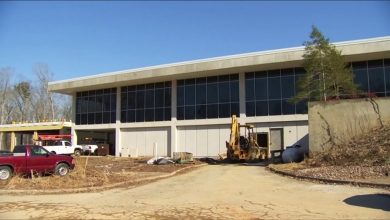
x=22, y=96
x=6, y=107
x=44, y=107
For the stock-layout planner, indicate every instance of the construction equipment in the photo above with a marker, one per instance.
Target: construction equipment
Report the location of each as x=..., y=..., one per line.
x=244, y=147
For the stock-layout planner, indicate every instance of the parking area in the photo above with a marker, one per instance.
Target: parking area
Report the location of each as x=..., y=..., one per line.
x=209, y=192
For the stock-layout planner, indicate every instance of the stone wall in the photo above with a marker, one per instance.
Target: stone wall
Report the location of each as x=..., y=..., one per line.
x=336, y=122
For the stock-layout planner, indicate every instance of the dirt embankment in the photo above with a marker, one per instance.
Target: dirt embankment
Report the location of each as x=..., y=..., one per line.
x=96, y=171
x=365, y=158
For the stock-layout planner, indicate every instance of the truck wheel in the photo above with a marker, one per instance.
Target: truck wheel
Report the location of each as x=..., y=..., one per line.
x=5, y=173
x=77, y=152
x=62, y=169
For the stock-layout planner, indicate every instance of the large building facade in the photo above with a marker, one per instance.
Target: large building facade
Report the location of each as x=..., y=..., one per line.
x=188, y=106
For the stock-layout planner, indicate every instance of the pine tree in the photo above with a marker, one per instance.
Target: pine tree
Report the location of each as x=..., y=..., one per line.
x=327, y=75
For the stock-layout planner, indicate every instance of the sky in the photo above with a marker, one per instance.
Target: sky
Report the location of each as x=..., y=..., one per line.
x=86, y=38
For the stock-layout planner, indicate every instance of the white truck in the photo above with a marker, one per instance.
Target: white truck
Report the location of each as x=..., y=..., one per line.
x=90, y=149
x=64, y=147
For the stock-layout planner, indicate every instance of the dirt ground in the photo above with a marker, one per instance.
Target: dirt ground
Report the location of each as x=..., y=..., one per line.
x=224, y=191
x=92, y=171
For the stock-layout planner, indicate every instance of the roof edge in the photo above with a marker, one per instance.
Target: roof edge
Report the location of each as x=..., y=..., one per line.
x=243, y=55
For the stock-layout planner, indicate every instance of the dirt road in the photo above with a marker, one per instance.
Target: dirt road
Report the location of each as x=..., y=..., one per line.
x=217, y=192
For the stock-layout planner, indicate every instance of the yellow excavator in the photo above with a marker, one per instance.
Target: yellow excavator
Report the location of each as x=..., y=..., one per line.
x=244, y=148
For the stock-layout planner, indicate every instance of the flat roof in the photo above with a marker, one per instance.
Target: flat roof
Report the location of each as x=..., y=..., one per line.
x=356, y=50
x=35, y=126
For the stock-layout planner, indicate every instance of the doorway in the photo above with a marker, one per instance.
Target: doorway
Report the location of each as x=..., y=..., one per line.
x=276, y=142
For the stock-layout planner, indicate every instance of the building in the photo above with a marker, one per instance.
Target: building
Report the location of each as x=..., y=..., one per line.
x=187, y=106
x=29, y=132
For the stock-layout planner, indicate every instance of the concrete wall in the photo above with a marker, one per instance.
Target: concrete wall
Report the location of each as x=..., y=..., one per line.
x=336, y=122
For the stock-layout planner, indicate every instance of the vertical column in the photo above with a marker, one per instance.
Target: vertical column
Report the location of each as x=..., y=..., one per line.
x=73, y=121
x=173, y=141
x=13, y=140
x=118, y=141
x=242, y=97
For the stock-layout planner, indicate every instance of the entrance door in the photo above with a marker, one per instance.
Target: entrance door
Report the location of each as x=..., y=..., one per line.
x=276, y=142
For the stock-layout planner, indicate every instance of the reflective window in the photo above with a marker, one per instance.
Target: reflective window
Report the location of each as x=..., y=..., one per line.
x=268, y=92
x=208, y=97
x=147, y=102
x=372, y=76
x=96, y=106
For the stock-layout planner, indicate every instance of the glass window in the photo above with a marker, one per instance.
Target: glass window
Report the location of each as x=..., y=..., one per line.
x=274, y=88
x=359, y=65
x=201, y=111
x=212, y=93
x=287, y=108
x=159, y=97
x=190, y=95
x=235, y=109
x=130, y=100
x=123, y=101
x=140, y=99
x=375, y=63
x=98, y=118
x=249, y=89
x=288, y=87
x=261, y=89
x=212, y=111
x=223, y=92
x=167, y=114
x=189, y=112
x=106, y=117
x=377, y=80
x=224, y=110
x=158, y=114
x=180, y=113
x=149, y=114
x=275, y=107
x=180, y=96
x=149, y=98
x=203, y=97
x=38, y=151
x=167, y=97
x=361, y=79
x=251, y=109
x=234, y=91
x=140, y=115
x=387, y=77
x=149, y=102
x=130, y=116
x=261, y=108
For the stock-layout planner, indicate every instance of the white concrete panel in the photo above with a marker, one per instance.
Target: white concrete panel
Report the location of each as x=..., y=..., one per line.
x=181, y=139
x=290, y=135
x=142, y=141
x=224, y=135
x=201, y=141
x=303, y=136
x=129, y=144
x=213, y=140
x=190, y=143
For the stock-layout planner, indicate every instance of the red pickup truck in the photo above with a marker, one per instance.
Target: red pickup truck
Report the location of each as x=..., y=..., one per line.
x=27, y=158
